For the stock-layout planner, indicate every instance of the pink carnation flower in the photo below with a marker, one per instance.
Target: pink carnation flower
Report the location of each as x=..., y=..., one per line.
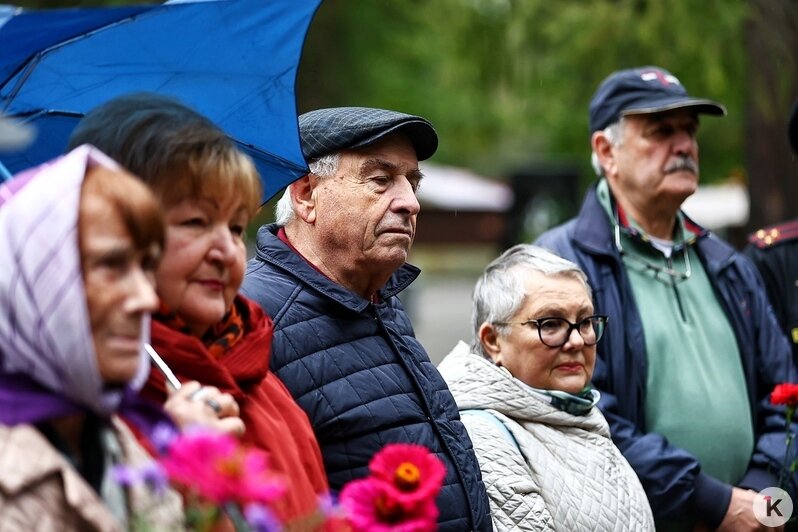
x=371, y=507
x=412, y=473
x=220, y=470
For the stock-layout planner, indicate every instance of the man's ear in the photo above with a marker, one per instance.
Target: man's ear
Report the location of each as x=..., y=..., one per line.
x=490, y=340
x=303, y=199
x=602, y=147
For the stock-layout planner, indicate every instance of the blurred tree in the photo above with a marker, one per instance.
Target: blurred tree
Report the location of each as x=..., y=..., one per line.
x=771, y=88
x=508, y=82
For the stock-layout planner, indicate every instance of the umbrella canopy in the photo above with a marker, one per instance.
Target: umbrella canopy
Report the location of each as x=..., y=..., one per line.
x=234, y=61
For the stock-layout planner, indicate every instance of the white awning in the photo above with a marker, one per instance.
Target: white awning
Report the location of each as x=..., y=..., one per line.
x=718, y=206
x=450, y=187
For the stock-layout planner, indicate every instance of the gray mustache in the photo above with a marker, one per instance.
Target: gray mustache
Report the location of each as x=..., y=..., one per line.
x=682, y=163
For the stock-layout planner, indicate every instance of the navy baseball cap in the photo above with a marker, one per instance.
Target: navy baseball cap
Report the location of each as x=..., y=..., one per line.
x=327, y=131
x=792, y=128
x=643, y=90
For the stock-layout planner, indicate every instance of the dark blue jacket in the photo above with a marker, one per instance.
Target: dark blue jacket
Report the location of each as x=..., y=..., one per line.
x=671, y=476
x=364, y=380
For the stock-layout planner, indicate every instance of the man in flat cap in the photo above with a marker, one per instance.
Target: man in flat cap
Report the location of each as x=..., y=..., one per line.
x=328, y=272
x=692, y=349
x=774, y=250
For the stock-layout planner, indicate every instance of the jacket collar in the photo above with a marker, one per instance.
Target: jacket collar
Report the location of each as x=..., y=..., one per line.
x=593, y=230
x=23, y=444
x=25, y=440
x=593, y=233
x=686, y=232
x=274, y=251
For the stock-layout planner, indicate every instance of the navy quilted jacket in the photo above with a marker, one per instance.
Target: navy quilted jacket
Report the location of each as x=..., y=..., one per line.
x=364, y=380
x=671, y=476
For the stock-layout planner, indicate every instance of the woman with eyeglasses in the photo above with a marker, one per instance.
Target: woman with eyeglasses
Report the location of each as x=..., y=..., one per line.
x=524, y=394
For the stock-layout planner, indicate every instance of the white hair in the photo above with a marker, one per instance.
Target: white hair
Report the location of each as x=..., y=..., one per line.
x=614, y=133
x=326, y=166
x=500, y=291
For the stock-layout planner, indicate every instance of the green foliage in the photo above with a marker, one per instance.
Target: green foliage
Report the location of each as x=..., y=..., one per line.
x=507, y=82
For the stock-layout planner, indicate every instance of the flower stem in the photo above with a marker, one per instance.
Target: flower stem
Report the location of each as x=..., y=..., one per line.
x=790, y=436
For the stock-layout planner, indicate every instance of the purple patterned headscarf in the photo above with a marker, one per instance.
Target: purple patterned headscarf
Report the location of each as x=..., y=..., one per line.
x=48, y=366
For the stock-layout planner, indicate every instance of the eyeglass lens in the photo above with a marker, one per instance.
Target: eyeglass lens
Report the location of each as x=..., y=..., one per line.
x=554, y=332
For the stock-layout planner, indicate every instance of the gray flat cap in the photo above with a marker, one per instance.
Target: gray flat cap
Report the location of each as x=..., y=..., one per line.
x=327, y=131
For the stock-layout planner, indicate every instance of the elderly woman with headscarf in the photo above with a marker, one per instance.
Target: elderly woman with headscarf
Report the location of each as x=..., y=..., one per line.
x=204, y=329
x=79, y=243
x=523, y=390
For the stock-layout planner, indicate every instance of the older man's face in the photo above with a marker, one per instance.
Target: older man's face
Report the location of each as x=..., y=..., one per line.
x=366, y=214
x=657, y=159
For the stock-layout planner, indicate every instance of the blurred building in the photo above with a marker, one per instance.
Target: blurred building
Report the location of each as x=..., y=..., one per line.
x=462, y=226
x=723, y=208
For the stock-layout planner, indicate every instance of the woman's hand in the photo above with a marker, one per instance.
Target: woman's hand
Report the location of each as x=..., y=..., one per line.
x=204, y=406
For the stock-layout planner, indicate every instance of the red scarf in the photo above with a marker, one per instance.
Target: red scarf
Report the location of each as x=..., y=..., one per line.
x=274, y=422
x=221, y=337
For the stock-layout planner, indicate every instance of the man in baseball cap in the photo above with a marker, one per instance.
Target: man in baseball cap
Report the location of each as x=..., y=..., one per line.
x=692, y=347
x=328, y=272
x=643, y=90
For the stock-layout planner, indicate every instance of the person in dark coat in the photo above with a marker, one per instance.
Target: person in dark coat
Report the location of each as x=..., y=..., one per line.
x=692, y=348
x=329, y=272
x=774, y=251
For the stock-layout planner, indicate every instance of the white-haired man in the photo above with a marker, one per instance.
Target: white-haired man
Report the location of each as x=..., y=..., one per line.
x=328, y=272
x=692, y=349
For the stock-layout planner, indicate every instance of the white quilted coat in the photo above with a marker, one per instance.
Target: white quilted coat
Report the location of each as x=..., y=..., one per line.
x=567, y=476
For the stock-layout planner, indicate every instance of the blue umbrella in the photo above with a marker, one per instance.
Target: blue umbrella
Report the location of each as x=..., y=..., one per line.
x=234, y=61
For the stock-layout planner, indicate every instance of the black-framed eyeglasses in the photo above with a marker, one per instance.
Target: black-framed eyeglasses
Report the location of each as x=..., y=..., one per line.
x=555, y=332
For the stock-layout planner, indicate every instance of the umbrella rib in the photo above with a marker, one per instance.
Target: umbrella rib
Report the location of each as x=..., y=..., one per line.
x=33, y=115
x=62, y=94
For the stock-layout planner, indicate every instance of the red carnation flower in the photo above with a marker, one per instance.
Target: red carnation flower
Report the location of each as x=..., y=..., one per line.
x=785, y=394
